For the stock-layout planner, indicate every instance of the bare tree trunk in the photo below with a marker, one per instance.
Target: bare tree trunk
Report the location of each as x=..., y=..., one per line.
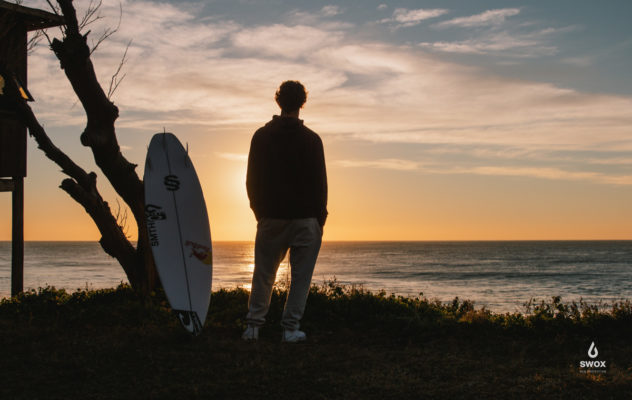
x=73, y=53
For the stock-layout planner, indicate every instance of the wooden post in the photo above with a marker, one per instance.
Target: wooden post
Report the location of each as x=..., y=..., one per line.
x=15, y=22
x=17, y=241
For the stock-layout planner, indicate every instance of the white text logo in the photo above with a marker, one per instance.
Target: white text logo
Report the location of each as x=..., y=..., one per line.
x=592, y=351
x=593, y=366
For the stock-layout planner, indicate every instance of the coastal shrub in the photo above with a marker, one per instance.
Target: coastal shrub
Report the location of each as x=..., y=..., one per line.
x=228, y=307
x=331, y=306
x=41, y=301
x=622, y=310
x=85, y=307
x=111, y=343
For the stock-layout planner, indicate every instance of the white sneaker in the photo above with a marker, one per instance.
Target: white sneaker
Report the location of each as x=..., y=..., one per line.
x=251, y=333
x=293, y=336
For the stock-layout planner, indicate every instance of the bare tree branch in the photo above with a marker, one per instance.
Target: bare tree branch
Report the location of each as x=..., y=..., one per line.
x=56, y=10
x=53, y=8
x=81, y=186
x=115, y=81
x=121, y=218
x=68, y=166
x=91, y=14
x=34, y=40
x=108, y=31
x=47, y=37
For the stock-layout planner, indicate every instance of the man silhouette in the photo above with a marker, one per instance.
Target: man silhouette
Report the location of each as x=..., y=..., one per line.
x=287, y=188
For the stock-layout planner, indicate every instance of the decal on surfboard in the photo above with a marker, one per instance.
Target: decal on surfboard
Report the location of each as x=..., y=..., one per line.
x=154, y=213
x=201, y=252
x=172, y=183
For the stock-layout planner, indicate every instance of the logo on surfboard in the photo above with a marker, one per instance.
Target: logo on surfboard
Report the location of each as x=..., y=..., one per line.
x=172, y=183
x=153, y=213
x=201, y=252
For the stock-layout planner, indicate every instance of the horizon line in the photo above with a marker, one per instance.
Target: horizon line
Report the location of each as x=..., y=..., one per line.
x=367, y=240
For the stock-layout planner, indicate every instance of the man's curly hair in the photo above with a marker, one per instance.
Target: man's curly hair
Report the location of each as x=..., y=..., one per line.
x=291, y=96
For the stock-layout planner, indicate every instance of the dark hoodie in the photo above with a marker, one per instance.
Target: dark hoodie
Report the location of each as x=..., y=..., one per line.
x=286, y=177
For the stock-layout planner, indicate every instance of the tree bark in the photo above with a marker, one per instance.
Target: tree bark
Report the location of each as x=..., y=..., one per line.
x=81, y=186
x=99, y=134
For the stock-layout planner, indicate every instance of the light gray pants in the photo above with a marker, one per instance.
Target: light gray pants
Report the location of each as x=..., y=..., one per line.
x=274, y=237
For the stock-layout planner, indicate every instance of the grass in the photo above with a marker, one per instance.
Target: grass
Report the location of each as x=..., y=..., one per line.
x=108, y=344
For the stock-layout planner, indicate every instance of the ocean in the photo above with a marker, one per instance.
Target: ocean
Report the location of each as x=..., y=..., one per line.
x=501, y=276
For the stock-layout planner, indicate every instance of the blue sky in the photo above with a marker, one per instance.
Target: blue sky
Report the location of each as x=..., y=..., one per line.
x=577, y=44
x=528, y=105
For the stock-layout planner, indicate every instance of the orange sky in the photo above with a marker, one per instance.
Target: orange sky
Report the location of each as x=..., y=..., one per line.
x=372, y=204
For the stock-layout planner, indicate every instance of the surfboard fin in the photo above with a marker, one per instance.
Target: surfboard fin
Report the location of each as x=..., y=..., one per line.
x=190, y=321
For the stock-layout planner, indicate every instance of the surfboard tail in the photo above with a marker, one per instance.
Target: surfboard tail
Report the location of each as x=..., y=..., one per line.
x=190, y=321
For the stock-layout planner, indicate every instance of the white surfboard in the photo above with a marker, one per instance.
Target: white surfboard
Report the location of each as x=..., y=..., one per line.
x=178, y=227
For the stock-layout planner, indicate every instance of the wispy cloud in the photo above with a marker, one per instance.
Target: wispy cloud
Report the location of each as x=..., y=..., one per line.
x=323, y=18
x=330, y=10
x=239, y=157
x=611, y=161
x=288, y=41
x=487, y=18
x=493, y=35
x=515, y=162
x=552, y=173
x=403, y=17
x=504, y=43
x=387, y=163
x=190, y=71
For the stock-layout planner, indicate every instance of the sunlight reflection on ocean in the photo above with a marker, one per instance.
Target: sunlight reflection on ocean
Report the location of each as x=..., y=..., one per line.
x=500, y=275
